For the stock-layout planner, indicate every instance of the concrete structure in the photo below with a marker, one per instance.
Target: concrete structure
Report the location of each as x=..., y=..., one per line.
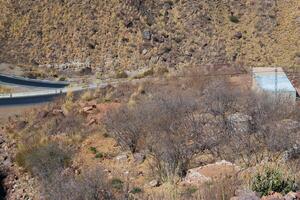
x=274, y=82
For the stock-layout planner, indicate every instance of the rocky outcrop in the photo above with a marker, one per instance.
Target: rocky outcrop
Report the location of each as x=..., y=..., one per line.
x=207, y=173
x=14, y=184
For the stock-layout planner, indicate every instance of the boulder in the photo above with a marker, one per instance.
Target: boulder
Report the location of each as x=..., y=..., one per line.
x=154, y=183
x=274, y=196
x=292, y=196
x=89, y=109
x=195, y=177
x=139, y=158
x=167, y=5
x=147, y=35
x=203, y=174
x=238, y=35
x=20, y=125
x=42, y=114
x=245, y=195
x=122, y=157
x=57, y=112
x=87, y=70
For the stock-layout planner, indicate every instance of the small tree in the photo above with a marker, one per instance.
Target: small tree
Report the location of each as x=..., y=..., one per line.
x=175, y=129
x=125, y=124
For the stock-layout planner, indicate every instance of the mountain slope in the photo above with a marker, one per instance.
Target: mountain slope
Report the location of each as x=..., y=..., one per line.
x=132, y=34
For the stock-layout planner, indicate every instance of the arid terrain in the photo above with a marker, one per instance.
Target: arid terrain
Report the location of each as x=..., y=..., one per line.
x=176, y=113
x=116, y=35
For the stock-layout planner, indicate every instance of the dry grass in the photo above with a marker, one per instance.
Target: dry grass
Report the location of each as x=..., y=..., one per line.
x=4, y=89
x=191, y=33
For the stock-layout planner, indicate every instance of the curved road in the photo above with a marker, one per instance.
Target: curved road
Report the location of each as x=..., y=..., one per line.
x=42, y=95
x=15, y=80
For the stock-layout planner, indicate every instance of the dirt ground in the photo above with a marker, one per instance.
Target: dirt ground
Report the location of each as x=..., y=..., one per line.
x=10, y=111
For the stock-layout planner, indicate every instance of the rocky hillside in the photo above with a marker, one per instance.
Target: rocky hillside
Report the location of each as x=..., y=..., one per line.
x=132, y=34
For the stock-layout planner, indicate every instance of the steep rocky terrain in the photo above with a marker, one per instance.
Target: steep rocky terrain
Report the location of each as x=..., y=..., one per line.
x=130, y=34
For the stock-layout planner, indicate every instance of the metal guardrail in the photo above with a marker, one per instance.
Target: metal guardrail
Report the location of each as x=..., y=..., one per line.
x=51, y=91
x=16, y=80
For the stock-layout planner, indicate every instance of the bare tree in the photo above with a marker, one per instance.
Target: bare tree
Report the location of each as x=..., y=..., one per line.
x=175, y=127
x=125, y=124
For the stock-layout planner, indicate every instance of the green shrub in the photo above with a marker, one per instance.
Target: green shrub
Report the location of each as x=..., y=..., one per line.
x=99, y=155
x=190, y=190
x=148, y=72
x=272, y=180
x=93, y=150
x=62, y=79
x=117, y=183
x=234, y=19
x=136, y=190
x=162, y=70
x=106, y=135
x=121, y=74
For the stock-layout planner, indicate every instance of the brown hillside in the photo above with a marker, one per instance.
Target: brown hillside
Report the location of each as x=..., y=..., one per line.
x=133, y=34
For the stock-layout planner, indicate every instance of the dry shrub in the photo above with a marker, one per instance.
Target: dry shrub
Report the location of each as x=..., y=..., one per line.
x=5, y=89
x=125, y=124
x=43, y=160
x=171, y=127
x=71, y=124
x=175, y=133
x=258, y=130
x=87, y=96
x=90, y=185
x=222, y=189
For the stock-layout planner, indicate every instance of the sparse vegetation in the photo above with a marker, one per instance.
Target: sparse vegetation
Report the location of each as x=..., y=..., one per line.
x=136, y=190
x=172, y=128
x=117, y=183
x=121, y=74
x=5, y=89
x=43, y=160
x=273, y=180
x=234, y=19
x=90, y=185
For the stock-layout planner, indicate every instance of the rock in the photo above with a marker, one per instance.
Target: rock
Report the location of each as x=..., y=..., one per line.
x=239, y=122
x=128, y=23
x=292, y=196
x=57, y=111
x=167, y=5
x=92, y=121
x=245, y=195
x=297, y=60
x=147, y=35
x=139, y=158
x=154, y=183
x=20, y=125
x=145, y=51
x=292, y=153
x=297, y=20
x=89, y=109
x=195, y=177
x=274, y=196
x=1, y=140
x=238, y=35
x=158, y=39
x=42, y=114
x=86, y=71
x=122, y=157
